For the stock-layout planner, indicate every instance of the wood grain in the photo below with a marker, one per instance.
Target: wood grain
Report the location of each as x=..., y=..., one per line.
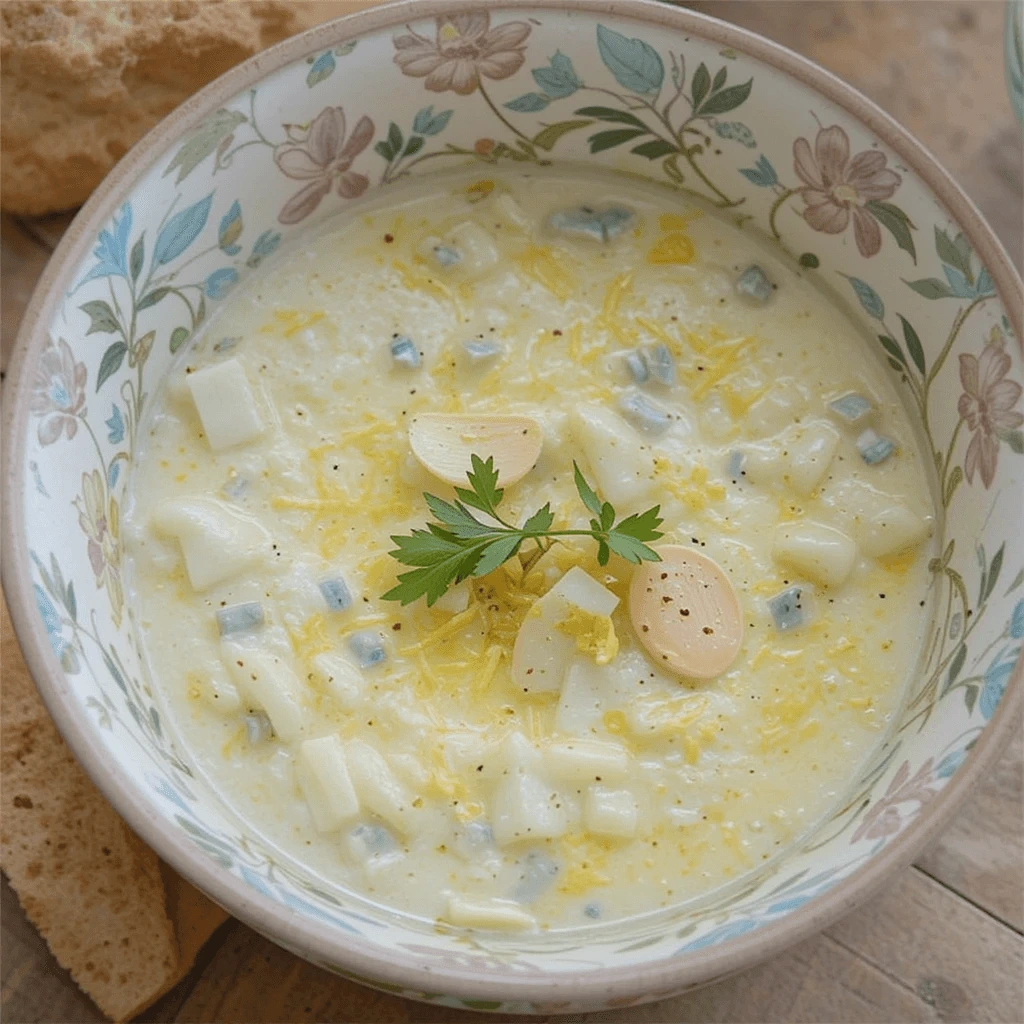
x=915, y=953
x=942, y=942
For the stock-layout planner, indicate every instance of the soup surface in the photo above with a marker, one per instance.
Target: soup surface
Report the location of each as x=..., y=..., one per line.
x=409, y=752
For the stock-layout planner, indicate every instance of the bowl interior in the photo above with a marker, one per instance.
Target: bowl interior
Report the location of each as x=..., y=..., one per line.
x=264, y=155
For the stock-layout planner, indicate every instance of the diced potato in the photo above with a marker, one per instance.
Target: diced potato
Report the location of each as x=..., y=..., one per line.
x=508, y=211
x=376, y=785
x=267, y=680
x=810, y=448
x=483, y=913
x=581, y=589
x=822, y=553
x=621, y=464
x=479, y=253
x=525, y=808
x=586, y=760
x=325, y=783
x=518, y=754
x=610, y=812
x=582, y=700
x=221, y=693
x=798, y=458
x=225, y=404
x=217, y=542
x=340, y=678
x=890, y=531
x=542, y=651
x=783, y=403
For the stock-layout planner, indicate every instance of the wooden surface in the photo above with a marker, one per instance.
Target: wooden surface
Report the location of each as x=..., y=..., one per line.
x=944, y=941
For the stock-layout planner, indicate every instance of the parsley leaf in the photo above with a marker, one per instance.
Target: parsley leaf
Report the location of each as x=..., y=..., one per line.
x=458, y=545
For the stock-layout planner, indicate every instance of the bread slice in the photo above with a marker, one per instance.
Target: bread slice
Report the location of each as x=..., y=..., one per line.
x=82, y=80
x=90, y=886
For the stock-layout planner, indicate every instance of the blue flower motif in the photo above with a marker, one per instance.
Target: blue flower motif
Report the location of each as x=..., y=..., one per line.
x=51, y=620
x=996, y=677
x=263, y=247
x=560, y=79
x=229, y=230
x=112, y=250
x=220, y=282
x=115, y=427
x=427, y=123
x=762, y=173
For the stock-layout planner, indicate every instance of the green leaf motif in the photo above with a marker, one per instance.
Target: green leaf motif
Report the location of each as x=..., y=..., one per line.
x=414, y=145
x=1013, y=438
x=930, y=288
x=956, y=477
x=913, y=344
x=560, y=79
x=994, y=569
x=611, y=114
x=893, y=349
x=138, y=257
x=203, y=141
x=956, y=666
x=719, y=79
x=896, y=222
x=635, y=64
x=528, y=103
x=956, y=254
x=726, y=100
x=152, y=298
x=654, y=149
x=549, y=135
x=178, y=338
x=616, y=137
x=101, y=317
x=700, y=86
x=111, y=362
x=970, y=697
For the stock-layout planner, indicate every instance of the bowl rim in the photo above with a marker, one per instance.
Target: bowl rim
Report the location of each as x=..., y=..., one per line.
x=321, y=942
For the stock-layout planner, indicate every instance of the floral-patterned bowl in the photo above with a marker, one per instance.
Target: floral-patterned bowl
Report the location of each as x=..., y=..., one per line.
x=292, y=137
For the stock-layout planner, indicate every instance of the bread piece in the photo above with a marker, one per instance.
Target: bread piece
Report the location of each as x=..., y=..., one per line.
x=81, y=82
x=91, y=887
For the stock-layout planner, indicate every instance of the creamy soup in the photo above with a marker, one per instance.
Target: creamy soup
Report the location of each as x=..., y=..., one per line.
x=545, y=745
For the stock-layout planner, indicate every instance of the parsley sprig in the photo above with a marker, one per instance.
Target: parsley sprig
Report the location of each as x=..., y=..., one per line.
x=460, y=545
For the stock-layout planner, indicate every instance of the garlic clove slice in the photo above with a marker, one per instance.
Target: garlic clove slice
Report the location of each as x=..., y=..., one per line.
x=444, y=442
x=686, y=613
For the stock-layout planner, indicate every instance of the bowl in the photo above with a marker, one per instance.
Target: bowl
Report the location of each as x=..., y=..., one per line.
x=298, y=133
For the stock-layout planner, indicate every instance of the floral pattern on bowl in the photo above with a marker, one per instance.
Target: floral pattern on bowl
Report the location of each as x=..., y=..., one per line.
x=640, y=89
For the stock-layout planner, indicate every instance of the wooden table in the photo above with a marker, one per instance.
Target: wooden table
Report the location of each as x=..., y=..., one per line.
x=944, y=941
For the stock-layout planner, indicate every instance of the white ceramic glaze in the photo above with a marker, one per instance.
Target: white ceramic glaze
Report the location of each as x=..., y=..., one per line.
x=294, y=135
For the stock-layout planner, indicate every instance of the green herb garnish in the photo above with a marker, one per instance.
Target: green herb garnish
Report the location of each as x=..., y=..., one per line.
x=459, y=545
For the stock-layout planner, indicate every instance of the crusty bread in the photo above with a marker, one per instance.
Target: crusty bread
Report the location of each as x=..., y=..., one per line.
x=90, y=886
x=82, y=80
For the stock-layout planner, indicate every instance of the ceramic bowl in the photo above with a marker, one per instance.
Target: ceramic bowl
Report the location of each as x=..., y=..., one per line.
x=298, y=134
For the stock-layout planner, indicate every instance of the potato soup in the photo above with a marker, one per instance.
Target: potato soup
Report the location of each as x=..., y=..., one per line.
x=575, y=732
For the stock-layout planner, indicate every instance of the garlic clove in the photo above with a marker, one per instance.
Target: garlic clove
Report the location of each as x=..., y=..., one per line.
x=444, y=442
x=686, y=613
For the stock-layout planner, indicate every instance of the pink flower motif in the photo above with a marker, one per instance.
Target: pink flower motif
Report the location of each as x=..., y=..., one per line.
x=465, y=47
x=100, y=520
x=887, y=816
x=836, y=186
x=58, y=392
x=322, y=158
x=987, y=405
